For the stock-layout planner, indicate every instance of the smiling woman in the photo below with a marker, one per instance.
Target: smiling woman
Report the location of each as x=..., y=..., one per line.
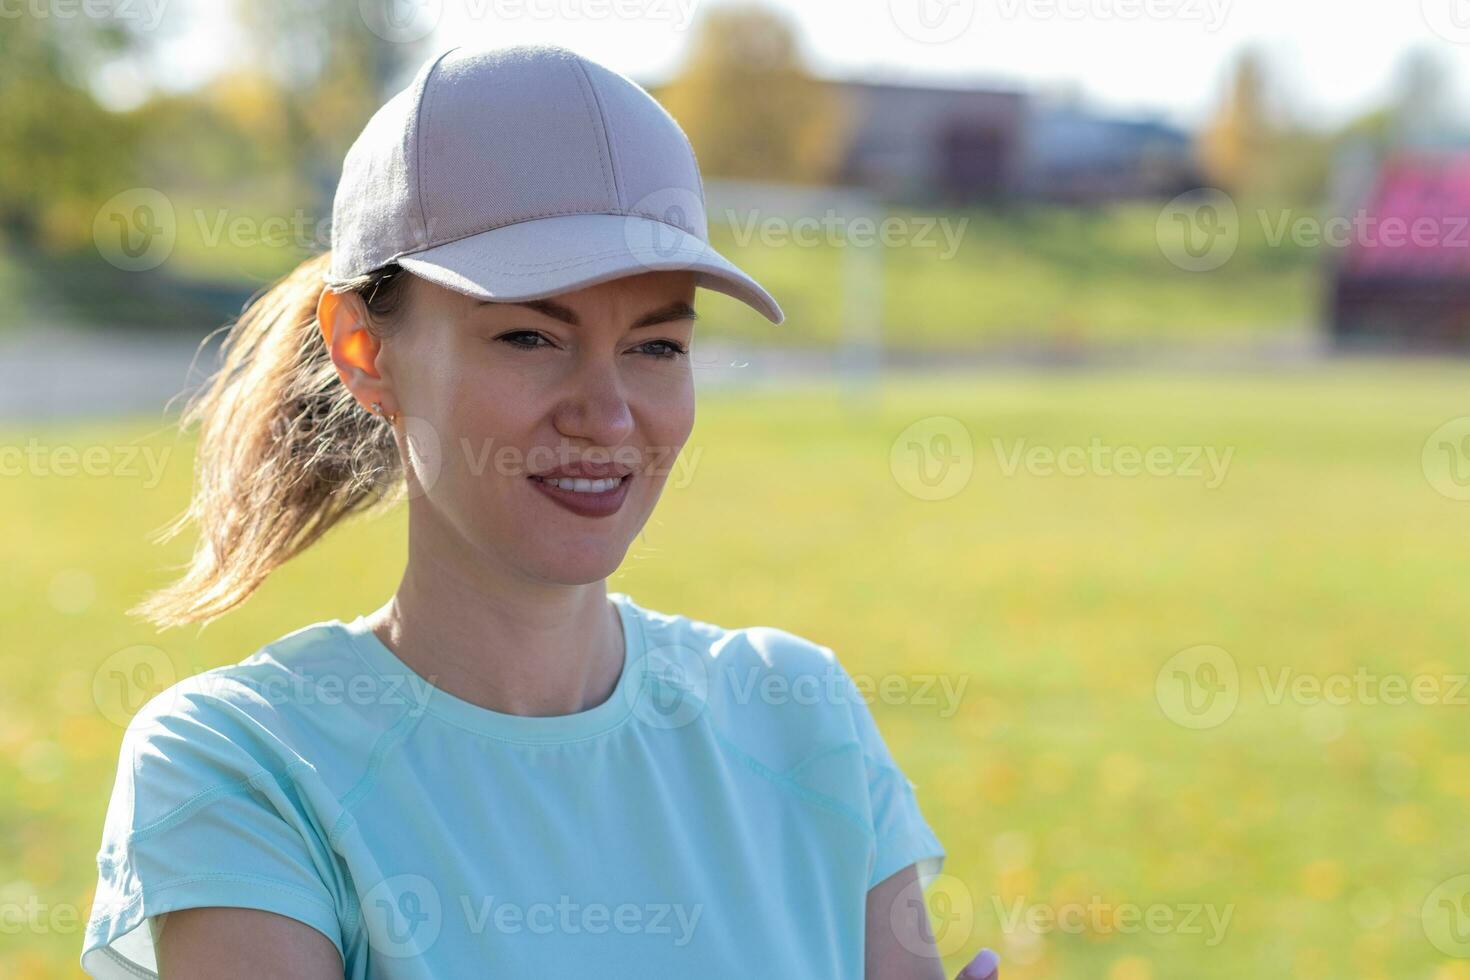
x=505, y=770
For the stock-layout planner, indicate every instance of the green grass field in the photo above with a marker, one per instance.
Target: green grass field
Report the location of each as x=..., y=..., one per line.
x=1314, y=834
x=1030, y=275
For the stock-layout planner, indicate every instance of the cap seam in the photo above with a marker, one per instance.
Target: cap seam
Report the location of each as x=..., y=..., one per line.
x=698, y=171
x=611, y=163
x=423, y=115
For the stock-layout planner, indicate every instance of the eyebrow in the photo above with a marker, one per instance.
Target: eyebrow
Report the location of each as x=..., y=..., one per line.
x=677, y=310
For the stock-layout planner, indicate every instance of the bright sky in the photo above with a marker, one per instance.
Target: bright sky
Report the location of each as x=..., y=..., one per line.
x=1166, y=56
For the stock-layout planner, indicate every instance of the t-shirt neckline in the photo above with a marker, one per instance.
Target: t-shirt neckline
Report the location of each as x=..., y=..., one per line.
x=541, y=729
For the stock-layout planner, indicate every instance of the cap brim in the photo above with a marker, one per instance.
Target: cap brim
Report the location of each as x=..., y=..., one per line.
x=545, y=256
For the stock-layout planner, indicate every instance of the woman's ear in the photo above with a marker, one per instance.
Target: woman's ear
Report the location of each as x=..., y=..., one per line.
x=342, y=318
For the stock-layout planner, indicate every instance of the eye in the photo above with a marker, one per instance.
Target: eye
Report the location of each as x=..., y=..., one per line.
x=665, y=350
x=509, y=338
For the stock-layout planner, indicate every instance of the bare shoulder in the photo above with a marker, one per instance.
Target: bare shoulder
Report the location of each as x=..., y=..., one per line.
x=226, y=943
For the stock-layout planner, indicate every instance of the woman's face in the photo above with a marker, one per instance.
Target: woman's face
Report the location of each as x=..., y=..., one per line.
x=490, y=393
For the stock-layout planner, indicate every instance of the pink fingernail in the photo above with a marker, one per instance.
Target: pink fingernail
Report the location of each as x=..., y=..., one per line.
x=983, y=965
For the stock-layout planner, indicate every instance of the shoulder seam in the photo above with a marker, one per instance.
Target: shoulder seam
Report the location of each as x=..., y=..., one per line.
x=203, y=798
x=386, y=742
x=784, y=781
x=243, y=785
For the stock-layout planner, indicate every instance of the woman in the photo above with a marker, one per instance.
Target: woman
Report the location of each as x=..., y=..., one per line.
x=504, y=771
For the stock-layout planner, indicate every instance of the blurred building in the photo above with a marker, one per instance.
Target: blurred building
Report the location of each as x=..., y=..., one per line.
x=1402, y=275
x=930, y=145
x=954, y=146
x=1075, y=156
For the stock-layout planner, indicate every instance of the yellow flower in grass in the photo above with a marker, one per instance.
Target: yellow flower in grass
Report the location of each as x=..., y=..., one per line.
x=1322, y=879
x=1131, y=968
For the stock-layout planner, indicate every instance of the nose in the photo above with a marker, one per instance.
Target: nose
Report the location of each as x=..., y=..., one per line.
x=594, y=405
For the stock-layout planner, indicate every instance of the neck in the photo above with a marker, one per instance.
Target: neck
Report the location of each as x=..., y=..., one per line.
x=517, y=648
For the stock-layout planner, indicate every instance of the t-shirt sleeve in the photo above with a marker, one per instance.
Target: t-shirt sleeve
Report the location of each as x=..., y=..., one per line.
x=202, y=813
x=903, y=835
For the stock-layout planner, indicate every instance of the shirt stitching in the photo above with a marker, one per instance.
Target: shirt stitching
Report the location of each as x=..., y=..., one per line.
x=239, y=787
x=260, y=880
x=428, y=708
x=820, y=800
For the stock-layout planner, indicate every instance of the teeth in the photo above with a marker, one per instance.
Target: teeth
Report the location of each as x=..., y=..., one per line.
x=582, y=486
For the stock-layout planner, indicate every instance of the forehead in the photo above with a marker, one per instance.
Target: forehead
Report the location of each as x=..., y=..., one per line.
x=659, y=283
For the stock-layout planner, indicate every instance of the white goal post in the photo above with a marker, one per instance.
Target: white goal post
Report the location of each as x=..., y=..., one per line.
x=743, y=204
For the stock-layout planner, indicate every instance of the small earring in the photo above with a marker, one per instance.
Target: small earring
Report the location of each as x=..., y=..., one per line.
x=378, y=408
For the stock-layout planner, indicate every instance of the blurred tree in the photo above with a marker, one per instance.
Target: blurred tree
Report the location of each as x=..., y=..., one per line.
x=61, y=153
x=1254, y=147
x=1235, y=147
x=750, y=107
x=311, y=78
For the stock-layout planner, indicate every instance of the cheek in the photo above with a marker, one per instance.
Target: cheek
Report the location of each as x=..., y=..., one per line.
x=665, y=424
x=467, y=411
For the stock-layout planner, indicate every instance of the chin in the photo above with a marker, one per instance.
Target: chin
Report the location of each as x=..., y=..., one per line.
x=581, y=573
x=591, y=561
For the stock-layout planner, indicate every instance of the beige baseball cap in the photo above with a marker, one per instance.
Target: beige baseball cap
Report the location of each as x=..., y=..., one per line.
x=519, y=172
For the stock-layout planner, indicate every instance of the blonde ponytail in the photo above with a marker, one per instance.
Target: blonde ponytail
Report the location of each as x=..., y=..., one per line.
x=283, y=453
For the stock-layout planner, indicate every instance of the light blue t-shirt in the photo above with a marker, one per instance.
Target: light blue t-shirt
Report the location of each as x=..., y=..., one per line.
x=725, y=811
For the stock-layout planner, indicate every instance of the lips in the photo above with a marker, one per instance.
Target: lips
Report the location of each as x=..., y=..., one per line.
x=585, y=504
x=585, y=471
